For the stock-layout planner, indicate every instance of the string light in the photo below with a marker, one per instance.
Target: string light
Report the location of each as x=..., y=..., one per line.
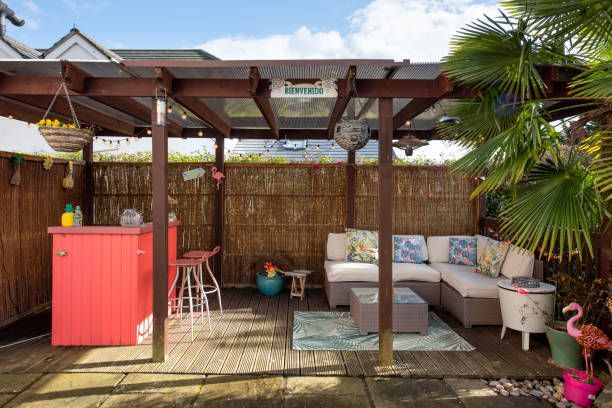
x=200, y=133
x=216, y=146
x=10, y=116
x=169, y=108
x=407, y=122
x=184, y=116
x=149, y=132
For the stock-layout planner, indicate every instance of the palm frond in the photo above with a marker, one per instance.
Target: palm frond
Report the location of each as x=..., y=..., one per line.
x=509, y=156
x=584, y=25
x=556, y=210
x=479, y=119
x=595, y=82
x=599, y=147
x=497, y=54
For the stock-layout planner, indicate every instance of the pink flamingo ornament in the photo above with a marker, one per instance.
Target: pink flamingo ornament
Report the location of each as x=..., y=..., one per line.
x=587, y=335
x=218, y=176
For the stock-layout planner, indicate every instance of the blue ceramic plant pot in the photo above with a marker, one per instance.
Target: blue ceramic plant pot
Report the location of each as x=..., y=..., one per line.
x=269, y=286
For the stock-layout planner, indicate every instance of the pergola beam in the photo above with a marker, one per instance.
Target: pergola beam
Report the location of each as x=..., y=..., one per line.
x=347, y=87
x=412, y=109
x=263, y=103
x=366, y=106
x=85, y=114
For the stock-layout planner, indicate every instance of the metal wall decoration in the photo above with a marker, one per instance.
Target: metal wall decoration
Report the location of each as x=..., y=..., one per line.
x=352, y=134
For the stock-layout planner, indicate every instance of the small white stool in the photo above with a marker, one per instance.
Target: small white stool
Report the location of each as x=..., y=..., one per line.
x=298, y=282
x=191, y=272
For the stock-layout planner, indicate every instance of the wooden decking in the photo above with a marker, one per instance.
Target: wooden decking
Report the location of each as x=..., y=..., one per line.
x=254, y=337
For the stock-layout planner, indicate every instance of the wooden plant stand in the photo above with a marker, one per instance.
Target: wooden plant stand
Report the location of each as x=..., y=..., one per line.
x=298, y=282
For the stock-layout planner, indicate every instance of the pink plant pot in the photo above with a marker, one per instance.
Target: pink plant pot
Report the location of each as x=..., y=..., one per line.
x=578, y=391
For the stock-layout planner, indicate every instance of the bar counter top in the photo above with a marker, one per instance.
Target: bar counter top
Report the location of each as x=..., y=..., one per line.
x=108, y=229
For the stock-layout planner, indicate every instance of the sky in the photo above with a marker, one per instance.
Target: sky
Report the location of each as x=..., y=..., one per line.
x=418, y=30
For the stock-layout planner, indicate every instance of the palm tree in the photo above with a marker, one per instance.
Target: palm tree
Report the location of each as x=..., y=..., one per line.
x=560, y=183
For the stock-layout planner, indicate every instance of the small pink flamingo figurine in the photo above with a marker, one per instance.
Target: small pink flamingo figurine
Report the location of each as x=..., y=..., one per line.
x=217, y=175
x=587, y=335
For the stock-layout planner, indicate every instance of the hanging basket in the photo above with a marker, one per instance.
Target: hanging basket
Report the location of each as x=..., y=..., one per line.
x=67, y=140
x=352, y=134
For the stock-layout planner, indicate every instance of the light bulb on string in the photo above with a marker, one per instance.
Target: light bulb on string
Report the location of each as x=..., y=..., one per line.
x=200, y=133
x=184, y=116
x=169, y=108
x=149, y=132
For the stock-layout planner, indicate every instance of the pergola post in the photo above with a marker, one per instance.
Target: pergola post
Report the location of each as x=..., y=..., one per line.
x=219, y=207
x=385, y=230
x=160, y=237
x=88, y=200
x=350, y=190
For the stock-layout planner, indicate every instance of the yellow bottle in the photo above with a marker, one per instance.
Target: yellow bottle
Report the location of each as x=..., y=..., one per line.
x=68, y=216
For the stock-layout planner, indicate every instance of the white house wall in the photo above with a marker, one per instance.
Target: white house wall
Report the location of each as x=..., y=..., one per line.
x=7, y=52
x=76, y=47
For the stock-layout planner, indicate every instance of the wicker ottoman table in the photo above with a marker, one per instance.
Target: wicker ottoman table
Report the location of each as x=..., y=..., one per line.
x=409, y=310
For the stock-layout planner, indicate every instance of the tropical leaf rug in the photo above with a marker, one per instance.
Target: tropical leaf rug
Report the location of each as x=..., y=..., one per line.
x=337, y=331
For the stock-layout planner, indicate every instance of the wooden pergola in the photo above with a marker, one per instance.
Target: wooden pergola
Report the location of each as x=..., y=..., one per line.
x=231, y=99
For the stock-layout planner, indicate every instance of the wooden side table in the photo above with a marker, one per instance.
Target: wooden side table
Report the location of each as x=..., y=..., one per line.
x=298, y=282
x=526, y=311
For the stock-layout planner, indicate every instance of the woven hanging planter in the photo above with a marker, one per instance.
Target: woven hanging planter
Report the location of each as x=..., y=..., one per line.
x=67, y=140
x=352, y=134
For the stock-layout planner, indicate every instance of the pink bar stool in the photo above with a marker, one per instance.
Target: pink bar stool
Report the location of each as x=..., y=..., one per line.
x=204, y=256
x=191, y=269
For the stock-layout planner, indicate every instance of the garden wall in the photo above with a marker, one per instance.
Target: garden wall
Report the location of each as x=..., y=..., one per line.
x=25, y=247
x=284, y=212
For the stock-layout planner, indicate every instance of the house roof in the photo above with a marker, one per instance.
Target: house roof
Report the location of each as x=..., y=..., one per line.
x=164, y=54
x=301, y=150
x=74, y=32
x=21, y=48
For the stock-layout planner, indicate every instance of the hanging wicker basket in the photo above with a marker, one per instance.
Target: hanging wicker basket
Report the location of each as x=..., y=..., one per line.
x=67, y=140
x=352, y=134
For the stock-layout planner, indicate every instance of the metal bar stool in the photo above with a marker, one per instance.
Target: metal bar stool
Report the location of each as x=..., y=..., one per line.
x=204, y=256
x=191, y=272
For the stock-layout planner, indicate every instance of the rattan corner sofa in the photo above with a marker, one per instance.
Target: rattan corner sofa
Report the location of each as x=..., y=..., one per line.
x=468, y=295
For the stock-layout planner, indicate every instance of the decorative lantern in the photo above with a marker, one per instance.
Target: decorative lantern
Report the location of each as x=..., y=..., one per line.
x=161, y=103
x=409, y=143
x=352, y=134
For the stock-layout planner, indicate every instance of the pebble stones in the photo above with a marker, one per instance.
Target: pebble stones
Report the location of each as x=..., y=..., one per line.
x=549, y=391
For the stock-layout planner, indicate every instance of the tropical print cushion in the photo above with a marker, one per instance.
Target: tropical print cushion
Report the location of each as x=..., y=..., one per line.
x=407, y=249
x=492, y=259
x=361, y=246
x=462, y=251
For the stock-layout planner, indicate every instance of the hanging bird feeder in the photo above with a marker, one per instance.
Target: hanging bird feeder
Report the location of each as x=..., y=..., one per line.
x=409, y=143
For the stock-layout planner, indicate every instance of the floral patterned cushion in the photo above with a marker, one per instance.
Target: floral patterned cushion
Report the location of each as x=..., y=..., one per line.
x=408, y=249
x=462, y=251
x=361, y=246
x=492, y=259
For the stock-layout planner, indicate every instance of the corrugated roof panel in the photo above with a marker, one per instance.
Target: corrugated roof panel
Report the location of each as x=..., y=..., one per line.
x=303, y=71
x=239, y=112
x=169, y=54
x=107, y=110
x=31, y=67
x=371, y=71
x=303, y=113
x=418, y=70
x=211, y=73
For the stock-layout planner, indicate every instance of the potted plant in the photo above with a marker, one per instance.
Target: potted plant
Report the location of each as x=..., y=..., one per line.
x=271, y=281
x=565, y=351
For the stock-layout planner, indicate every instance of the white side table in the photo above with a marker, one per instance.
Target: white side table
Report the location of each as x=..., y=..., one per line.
x=298, y=282
x=526, y=312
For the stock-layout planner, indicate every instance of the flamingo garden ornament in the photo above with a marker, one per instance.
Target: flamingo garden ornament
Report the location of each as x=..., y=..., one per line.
x=218, y=176
x=588, y=336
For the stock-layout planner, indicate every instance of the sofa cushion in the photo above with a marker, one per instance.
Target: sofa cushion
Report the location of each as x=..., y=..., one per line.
x=481, y=243
x=408, y=249
x=492, y=258
x=446, y=268
x=414, y=272
x=518, y=262
x=438, y=247
x=467, y=282
x=344, y=271
x=424, y=253
x=361, y=246
x=462, y=250
x=336, y=246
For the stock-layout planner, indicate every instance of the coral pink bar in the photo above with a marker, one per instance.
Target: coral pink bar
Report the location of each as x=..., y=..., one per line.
x=103, y=284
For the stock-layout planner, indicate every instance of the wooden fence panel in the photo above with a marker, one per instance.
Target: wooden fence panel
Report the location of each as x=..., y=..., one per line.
x=25, y=247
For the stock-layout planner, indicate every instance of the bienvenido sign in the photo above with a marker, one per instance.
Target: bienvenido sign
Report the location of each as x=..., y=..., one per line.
x=326, y=88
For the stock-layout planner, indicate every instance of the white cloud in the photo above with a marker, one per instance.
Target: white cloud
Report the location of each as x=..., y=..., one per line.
x=31, y=6
x=418, y=30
